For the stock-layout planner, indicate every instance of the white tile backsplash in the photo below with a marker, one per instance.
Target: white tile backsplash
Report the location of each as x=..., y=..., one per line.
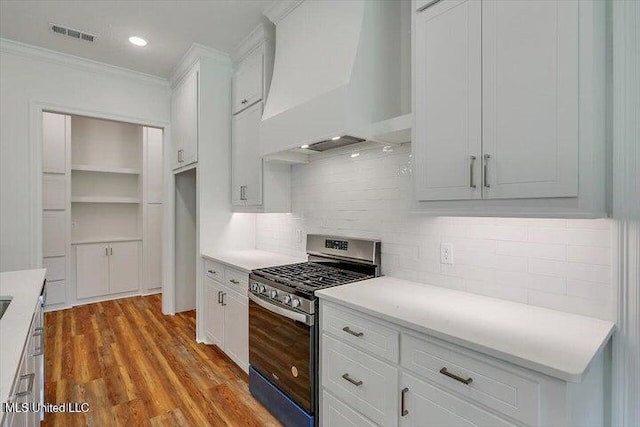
x=555, y=263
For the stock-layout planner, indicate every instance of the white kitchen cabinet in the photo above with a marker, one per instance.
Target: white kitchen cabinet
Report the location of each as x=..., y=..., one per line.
x=448, y=133
x=363, y=383
x=424, y=401
x=508, y=107
x=153, y=247
x=246, y=163
x=92, y=270
x=214, y=320
x=55, y=133
x=107, y=268
x=248, y=81
x=53, y=233
x=124, y=267
x=227, y=311
x=54, y=192
x=184, y=120
x=530, y=98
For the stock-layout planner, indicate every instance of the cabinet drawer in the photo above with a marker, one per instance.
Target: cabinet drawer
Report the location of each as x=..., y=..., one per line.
x=214, y=270
x=500, y=389
x=360, y=381
x=425, y=401
x=56, y=292
x=337, y=414
x=236, y=280
x=361, y=332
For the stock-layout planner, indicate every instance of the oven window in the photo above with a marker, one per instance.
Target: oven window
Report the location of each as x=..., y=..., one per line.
x=280, y=349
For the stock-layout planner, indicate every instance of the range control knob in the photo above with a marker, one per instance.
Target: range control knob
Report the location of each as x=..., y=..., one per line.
x=262, y=289
x=287, y=299
x=254, y=287
x=274, y=293
x=295, y=302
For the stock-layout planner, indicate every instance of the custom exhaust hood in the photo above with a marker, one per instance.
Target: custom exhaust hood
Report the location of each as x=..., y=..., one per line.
x=341, y=75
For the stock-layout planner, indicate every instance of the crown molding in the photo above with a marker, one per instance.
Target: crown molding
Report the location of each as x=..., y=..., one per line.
x=54, y=57
x=264, y=32
x=192, y=56
x=280, y=8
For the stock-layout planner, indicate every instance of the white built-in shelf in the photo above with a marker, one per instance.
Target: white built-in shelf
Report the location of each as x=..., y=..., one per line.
x=102, y=199
x=105, y=240
x=105, y=169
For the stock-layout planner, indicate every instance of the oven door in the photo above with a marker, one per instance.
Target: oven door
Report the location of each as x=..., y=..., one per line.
x=281, y=348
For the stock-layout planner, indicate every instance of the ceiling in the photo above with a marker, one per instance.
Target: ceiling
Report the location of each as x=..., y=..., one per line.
x=169, y=26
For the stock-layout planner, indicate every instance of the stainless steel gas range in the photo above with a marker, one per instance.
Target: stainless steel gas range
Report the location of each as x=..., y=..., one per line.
x=283, y=322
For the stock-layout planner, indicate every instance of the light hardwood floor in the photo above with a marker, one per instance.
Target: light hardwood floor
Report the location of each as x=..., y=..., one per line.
x=134, y=367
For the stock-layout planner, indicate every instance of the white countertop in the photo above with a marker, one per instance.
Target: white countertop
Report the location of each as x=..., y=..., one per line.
x=248, y=260
x=551, y=342
x=24, y=287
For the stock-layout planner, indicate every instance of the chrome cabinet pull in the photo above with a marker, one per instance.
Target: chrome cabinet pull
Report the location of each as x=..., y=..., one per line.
x=486, y=169
x=403, y=408
x=234, y=281
x=110, y=251
x=471, y=183
x=356, y=383
x=354, y=333
x=106, y=251
x=180, y=156
x=30, y=377
x=427, y=5
x=444, y=371
x=222, y=299
x=212, y=272
x=219, y=297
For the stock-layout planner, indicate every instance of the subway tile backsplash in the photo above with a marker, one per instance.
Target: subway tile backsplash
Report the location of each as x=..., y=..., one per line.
x=366, y=191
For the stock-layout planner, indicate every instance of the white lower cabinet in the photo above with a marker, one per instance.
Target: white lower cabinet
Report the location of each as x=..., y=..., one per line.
x=107, y=268
x=378, y=373
x=227, y=311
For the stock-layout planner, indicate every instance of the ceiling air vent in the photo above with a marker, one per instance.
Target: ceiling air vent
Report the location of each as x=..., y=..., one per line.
x=76, y=34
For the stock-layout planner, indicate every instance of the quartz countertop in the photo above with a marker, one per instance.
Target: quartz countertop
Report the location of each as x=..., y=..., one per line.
x=23, y=287
x=558, y=344
x=248, y=260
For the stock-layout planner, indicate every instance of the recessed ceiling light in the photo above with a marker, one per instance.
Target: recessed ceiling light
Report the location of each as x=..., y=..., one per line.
x=335, y=138
x=138, y=41
x=304, y=146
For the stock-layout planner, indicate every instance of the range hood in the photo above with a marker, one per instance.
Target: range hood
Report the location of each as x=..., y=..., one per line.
x=341, y=75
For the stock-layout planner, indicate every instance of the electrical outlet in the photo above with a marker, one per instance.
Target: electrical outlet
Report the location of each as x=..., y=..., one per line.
x=446, y=253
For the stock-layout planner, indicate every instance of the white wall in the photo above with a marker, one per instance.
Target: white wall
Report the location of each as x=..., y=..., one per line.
x=555, y=263
x=30, y=76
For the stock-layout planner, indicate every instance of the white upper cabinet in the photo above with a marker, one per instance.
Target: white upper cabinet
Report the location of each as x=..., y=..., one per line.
x=530, y=98
x=248, y=81
x=184, y=120
x=246, y=166
x=509, y=107
x=55, y=128
x=448, y=108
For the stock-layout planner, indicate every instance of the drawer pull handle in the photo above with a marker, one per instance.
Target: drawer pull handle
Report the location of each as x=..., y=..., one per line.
x=455, y=377
x=403, y=408
x=219, y=297
x=354, y=333
x=212, y=272
x=356, y=383
x=222, y=299
x=234, y=281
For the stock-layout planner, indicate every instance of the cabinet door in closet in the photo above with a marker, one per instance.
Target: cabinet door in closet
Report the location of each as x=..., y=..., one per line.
x=54, y=136
x=54, y=191
x=92, y=270
x=530, y=98
x=448, y=130
x=153, y=247
x=154, y=166
x=53, y=233
x=124, y=267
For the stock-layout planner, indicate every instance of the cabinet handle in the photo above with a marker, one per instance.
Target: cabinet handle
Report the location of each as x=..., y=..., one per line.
x=471, y=183
x=403, y=408
x=222, y=299
x=106, y=251
x=349, y=331
x=110, y=251
x=243, y=192
x=455, y=377
x=180, y=156
x=356, y=383
x=486, y=168
x=29, y=377
x=219, y=297
x=427, y=5
x=234, y=281
x=212, y=272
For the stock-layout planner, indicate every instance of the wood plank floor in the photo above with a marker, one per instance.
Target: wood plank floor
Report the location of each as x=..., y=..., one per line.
x=135, y=367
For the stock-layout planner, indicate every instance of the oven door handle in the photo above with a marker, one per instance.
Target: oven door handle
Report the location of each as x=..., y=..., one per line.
x=293, y=315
